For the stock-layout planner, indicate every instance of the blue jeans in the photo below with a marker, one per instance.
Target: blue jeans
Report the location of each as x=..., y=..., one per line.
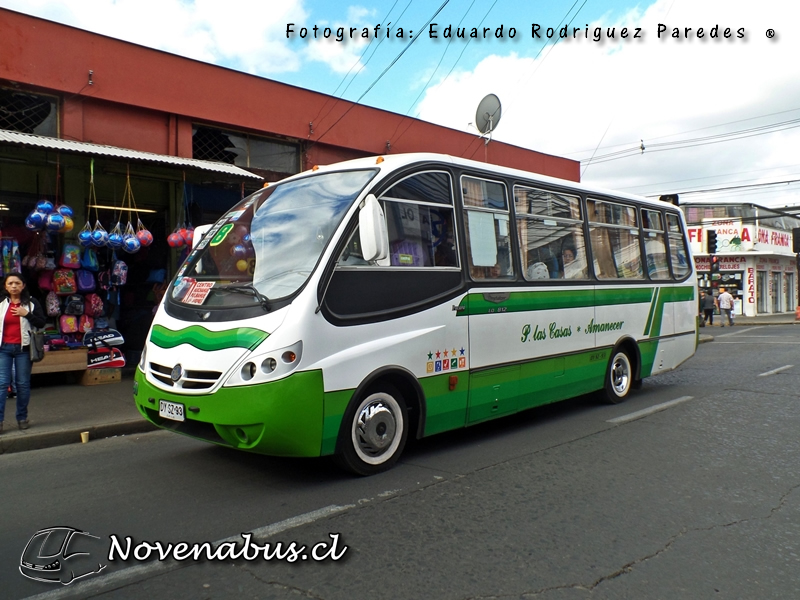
x=14, y=354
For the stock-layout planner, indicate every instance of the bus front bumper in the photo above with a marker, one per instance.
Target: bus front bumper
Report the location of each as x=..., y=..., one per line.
x=279, y=418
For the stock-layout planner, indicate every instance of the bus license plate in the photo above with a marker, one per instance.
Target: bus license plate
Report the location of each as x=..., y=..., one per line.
x=171, y=410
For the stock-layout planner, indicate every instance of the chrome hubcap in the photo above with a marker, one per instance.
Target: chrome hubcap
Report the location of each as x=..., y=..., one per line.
x=375, y=428
x=620, y=374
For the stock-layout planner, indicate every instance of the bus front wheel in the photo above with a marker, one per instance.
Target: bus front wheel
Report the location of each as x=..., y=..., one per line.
x=374, y=431
x=619, y=377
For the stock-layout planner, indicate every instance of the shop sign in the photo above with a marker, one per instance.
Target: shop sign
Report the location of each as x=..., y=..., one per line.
x=774, y=239
x=751, y=285
x=726, y=263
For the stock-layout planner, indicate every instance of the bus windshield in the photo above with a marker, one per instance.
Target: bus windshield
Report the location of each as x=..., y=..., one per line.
x=266, y=247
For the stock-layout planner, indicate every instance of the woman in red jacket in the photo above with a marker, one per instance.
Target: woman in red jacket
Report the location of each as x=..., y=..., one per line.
x=19, y=314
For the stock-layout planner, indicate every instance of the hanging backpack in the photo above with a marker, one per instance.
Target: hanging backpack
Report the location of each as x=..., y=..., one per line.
x=119, y=273
x=73, y=305
x=94, y=305
x=52, y=304
x=46, y=281
x=85, y=323
x=104, y=280
x=68, y=324
x=85, y=280
x=89, y=260
x=71, y=256
x=64, y=282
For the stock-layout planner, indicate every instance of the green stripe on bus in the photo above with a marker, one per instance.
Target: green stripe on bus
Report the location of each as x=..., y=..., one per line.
x=205, y=339
x=654, y=307
x=500, y=302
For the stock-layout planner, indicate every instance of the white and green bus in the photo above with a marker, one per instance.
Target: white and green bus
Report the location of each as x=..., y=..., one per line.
x=341, y=310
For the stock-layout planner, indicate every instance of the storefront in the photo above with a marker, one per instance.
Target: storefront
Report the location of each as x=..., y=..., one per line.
x=756, y=262
x=103, y=186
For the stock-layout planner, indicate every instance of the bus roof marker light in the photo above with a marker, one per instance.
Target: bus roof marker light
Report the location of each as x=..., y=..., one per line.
x=379, y=160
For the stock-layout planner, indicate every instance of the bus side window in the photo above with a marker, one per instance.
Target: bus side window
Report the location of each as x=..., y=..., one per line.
x=419, y=223
x=614, y=235
x=488, y=229
x=550, y=232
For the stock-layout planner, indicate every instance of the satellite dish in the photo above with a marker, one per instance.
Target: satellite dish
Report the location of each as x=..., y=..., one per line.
x=488, y=115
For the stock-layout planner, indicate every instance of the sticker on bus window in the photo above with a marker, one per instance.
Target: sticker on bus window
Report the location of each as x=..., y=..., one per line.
x=198, y=292
x=182, y=286
x=234, y=216
x=221, y=234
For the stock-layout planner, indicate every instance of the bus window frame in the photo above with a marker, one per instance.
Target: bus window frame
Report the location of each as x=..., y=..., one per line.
x=513, y=278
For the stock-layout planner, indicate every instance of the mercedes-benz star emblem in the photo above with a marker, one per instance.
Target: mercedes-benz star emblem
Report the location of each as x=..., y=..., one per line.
x=177, y=371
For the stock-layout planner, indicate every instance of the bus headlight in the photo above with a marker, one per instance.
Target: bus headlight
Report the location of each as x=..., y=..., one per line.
x=267, y=366
x=143, y=359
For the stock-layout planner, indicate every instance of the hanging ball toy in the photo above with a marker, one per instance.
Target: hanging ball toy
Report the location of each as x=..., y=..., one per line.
x=145, y=237
x=44, y=206
x=131, y=244
x=38, y=219
x=175, y=240
x=69, y=224
x=65, y=211
x=115, y=239
x=99, y=237
x=85, y=237
x=55, y=222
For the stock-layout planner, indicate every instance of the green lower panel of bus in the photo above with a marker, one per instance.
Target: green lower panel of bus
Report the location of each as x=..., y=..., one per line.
x=509, y=389
x=280, y=418
x=295, y=417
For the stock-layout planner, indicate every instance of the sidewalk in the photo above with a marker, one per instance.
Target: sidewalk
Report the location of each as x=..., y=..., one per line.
x=61, y=409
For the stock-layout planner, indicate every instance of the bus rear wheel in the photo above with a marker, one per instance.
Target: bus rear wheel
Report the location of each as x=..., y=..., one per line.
x=374, y=431
x=619, y=378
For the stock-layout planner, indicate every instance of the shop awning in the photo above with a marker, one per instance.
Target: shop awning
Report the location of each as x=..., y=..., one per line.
x=38, y=141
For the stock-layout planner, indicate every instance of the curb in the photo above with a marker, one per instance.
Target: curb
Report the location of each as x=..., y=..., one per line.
x=48, y=439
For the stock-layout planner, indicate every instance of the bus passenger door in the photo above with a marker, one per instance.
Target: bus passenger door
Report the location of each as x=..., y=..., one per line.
x=494, y=383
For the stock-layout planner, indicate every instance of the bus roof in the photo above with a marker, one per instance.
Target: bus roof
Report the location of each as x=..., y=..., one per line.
x=395, y=161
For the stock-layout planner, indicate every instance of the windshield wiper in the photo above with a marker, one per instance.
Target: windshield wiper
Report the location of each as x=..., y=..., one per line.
x=246, y=288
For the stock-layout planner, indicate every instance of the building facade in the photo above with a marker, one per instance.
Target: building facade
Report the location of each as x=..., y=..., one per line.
x=754, y=253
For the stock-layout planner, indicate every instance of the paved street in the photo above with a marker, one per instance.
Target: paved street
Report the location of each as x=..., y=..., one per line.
x=696, y=499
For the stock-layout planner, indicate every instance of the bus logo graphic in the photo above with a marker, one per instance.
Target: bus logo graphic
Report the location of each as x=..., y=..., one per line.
x=60, y=555
x=438, y=366
x=429, y=368
x=462, y=362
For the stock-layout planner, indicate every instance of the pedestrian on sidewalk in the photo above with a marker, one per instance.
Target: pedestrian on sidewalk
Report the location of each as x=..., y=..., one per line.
x=19, y=314
x=725, y=302
x=707, y=303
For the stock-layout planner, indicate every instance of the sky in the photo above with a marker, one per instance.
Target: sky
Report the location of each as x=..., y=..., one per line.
x=673, y=107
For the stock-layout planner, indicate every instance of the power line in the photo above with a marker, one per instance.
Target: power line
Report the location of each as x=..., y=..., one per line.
x=386, y=70
x=693, y=142
x=358, y=61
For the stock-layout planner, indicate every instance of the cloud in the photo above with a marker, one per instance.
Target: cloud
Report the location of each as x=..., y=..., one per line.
x=583, y=98
x=206, y=30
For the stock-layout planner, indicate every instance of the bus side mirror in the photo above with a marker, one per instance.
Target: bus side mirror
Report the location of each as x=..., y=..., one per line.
x=199, y=232
x=372, y=230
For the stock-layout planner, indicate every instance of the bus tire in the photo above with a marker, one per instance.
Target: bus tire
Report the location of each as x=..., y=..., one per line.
x=619, y=377
x=374, y=431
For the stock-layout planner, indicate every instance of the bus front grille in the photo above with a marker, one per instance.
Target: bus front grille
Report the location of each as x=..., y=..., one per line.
x=189, y=380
